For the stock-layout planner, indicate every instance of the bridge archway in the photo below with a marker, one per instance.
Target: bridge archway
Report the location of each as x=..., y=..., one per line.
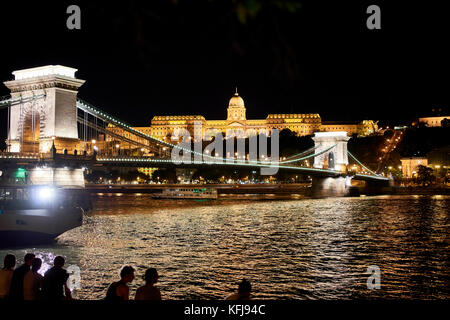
x=331, y=160
x=30, y=132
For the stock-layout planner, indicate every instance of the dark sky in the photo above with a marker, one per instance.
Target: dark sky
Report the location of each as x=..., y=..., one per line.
x=141, y=59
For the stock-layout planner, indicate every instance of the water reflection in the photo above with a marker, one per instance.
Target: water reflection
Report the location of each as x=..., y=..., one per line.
x=289, y=249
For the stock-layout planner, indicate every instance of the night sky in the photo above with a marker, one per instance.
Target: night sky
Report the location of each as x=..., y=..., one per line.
x=141, y=59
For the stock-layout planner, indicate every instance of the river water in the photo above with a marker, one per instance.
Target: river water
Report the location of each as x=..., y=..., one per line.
x=288, y=248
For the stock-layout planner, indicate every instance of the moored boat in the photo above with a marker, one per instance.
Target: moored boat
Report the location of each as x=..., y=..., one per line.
x=186, y=193
x=37, y=214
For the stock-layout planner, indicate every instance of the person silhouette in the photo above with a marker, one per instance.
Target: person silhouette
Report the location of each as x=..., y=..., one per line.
x=55, y=282
x=119, y=291
x=6, y=275
x=149, y=291
x=243, y=293
x=16, y=292
x=32, y=282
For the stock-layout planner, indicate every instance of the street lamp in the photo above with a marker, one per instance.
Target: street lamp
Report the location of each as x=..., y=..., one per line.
x=437, y=170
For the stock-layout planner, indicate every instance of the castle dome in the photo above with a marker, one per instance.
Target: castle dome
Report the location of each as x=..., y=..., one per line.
x=236, y=101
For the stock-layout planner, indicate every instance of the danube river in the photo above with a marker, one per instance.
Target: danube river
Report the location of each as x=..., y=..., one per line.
x=288, y=248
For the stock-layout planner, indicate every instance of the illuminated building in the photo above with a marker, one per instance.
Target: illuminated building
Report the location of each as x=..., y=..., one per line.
x=363, y=128
x=237, y=124
x=147, y=170
x=410, y=166
x=433, y=121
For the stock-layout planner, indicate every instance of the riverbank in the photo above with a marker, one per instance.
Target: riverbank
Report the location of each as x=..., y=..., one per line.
x=418, y=191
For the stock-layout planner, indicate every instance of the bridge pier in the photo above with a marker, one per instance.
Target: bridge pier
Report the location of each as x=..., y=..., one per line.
x=323, y=187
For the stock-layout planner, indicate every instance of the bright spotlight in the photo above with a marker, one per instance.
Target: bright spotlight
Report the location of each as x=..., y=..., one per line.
x=45, y=193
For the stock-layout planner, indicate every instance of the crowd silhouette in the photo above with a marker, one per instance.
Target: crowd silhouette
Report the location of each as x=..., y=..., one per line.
x=26, y=283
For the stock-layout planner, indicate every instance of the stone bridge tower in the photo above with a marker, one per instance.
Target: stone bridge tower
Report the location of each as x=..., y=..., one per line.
x=337, y=157
x=36, y=125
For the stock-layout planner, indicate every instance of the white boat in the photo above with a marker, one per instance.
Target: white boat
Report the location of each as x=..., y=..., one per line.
x=37, y=214
x=186, y=193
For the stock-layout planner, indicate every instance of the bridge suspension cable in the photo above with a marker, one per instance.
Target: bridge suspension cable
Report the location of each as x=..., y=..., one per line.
x=168, y=161
x=90, y=109
x=102, y=129
x=311, y=155
x=359, y=162
x=301, y=153
x=7, y=101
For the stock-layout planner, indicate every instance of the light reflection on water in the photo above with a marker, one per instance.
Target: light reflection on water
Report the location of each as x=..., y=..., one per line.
x=295, y=249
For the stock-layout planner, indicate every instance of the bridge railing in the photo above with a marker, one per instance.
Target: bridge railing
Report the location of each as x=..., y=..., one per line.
x=19, y=155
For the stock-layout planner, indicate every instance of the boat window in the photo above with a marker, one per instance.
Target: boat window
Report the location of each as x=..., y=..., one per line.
x=6, y=194
x=21, y=194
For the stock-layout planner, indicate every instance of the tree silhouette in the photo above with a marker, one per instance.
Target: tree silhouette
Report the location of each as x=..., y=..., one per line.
x=424, y=175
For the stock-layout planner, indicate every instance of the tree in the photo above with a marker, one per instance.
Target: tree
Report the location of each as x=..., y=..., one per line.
x=94, y=176
x=291, y=143
x=112, y=175
x=168, y=175
x=134, y=175
x=422, y=124
x=424, y=175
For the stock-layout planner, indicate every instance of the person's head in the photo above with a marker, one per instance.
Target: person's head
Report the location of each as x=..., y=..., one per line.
x=9, y=262
x=59, y=261
x=127, y=274
x=151, y=275
x=244, y=288
x=29, y=258
x=36, y=264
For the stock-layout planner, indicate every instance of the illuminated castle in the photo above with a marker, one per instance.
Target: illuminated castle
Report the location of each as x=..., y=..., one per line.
x=163, y=127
